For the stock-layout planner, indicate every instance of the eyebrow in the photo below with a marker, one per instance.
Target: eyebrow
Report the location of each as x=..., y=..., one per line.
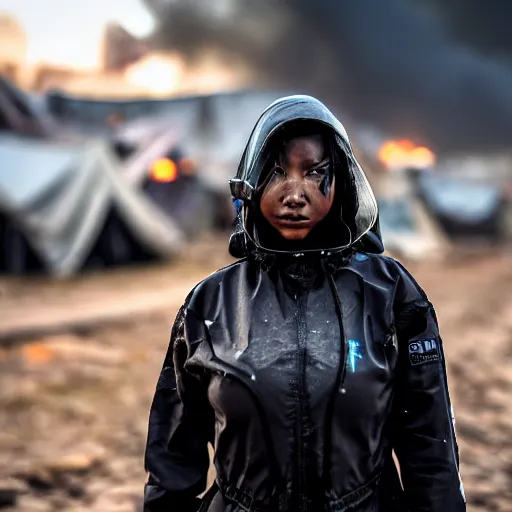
x=306, y=164
x=316, y=163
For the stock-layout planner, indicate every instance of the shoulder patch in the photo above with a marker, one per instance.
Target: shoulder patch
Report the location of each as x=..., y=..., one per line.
x=424, y=351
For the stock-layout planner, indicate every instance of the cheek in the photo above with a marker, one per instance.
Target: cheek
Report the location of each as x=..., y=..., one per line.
x=270, y=197
x=322, y=204
x=267, y=203
x=326, y=207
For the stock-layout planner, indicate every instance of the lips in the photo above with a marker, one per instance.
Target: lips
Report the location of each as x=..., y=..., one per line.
x=293, y=220
x=293, y=217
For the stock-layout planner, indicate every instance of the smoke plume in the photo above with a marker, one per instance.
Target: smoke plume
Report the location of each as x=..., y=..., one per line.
x=483, y=25
x=389, y=63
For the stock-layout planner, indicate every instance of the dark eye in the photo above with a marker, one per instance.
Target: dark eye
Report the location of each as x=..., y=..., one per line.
x=319, y=171
x=279, y=171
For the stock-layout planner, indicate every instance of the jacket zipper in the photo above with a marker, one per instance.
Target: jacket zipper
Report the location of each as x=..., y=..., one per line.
x=340, y=379
x=301, y=401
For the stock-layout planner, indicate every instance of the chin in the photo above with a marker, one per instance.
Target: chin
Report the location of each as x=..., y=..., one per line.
x=294, y=234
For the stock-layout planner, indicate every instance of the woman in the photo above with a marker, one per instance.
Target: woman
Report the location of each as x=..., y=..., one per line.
x=309, y=360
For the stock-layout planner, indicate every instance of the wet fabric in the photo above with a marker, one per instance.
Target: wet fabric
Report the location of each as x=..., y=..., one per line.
x=305, y=371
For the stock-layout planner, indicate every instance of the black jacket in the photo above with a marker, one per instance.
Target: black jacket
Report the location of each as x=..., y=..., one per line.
x=305, y=372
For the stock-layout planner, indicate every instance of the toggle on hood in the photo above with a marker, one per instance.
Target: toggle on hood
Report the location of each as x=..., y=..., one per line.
x=365, y=233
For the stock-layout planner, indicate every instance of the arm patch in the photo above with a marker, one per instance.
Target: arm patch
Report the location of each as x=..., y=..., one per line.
x=424, y=351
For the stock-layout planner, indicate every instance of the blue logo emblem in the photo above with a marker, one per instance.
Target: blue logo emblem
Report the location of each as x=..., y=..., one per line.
x=354, y=353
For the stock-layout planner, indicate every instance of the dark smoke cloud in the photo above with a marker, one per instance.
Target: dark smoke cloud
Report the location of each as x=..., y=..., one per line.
x=483, y=25
x=386, y=62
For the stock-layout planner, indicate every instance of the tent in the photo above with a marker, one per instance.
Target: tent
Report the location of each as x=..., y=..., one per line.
x=214, y=127
x=188, y=198
x=67, y=206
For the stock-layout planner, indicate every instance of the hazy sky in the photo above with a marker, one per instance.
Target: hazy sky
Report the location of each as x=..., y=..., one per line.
x=69, y=31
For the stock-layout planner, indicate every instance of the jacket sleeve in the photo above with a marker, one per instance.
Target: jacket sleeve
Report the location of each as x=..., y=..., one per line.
x=180, y=427
x=425, y=442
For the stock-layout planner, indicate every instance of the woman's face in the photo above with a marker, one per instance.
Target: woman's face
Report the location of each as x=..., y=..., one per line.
x=299, y=193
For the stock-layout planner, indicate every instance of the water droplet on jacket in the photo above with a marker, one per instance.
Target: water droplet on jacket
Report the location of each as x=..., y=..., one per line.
x=343, y=390
x=327, y=321
x=253, y=377
x=265, y=320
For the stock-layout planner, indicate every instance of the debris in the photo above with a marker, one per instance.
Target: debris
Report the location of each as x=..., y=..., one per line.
x=10, y=490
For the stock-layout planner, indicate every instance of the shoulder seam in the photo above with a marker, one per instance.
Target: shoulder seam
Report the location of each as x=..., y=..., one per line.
x=230, y=265
x=212, y=275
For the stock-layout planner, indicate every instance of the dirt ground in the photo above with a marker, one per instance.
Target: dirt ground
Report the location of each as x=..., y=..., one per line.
x=74, y=404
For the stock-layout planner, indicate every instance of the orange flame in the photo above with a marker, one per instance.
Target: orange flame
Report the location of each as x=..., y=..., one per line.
x=404, y=153
x=164, y=170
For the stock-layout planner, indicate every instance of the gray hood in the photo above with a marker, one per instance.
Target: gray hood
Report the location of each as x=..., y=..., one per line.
x=243, y=186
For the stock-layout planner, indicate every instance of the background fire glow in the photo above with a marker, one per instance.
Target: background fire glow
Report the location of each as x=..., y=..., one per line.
x=404, y=153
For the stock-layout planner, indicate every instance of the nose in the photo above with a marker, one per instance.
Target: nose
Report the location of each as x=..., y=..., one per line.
x=294, y=195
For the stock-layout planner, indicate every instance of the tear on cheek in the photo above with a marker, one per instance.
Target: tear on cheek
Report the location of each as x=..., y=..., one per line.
x=326, y=184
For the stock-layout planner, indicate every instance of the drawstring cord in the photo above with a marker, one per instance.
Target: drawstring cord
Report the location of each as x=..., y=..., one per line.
x=340, y=377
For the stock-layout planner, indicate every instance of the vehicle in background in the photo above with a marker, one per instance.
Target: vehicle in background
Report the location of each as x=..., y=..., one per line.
x=464, y=209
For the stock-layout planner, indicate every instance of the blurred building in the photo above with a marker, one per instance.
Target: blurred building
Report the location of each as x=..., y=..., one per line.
x=13, y=47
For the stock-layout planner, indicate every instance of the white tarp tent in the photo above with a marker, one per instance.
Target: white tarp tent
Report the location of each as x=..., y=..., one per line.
x=59, y=196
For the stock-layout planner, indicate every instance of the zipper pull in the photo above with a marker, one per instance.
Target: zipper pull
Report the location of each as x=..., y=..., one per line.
x=390, y=339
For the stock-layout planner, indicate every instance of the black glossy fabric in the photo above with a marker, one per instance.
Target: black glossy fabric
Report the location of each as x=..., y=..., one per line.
x=305, y=371
x=252, y=368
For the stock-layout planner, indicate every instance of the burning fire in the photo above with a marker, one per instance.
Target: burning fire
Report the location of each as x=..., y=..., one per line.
x=157, y=74
x=164, y=170
x=404, y=153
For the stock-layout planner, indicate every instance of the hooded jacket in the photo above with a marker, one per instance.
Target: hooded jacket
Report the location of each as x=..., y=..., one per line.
x=305, y=371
